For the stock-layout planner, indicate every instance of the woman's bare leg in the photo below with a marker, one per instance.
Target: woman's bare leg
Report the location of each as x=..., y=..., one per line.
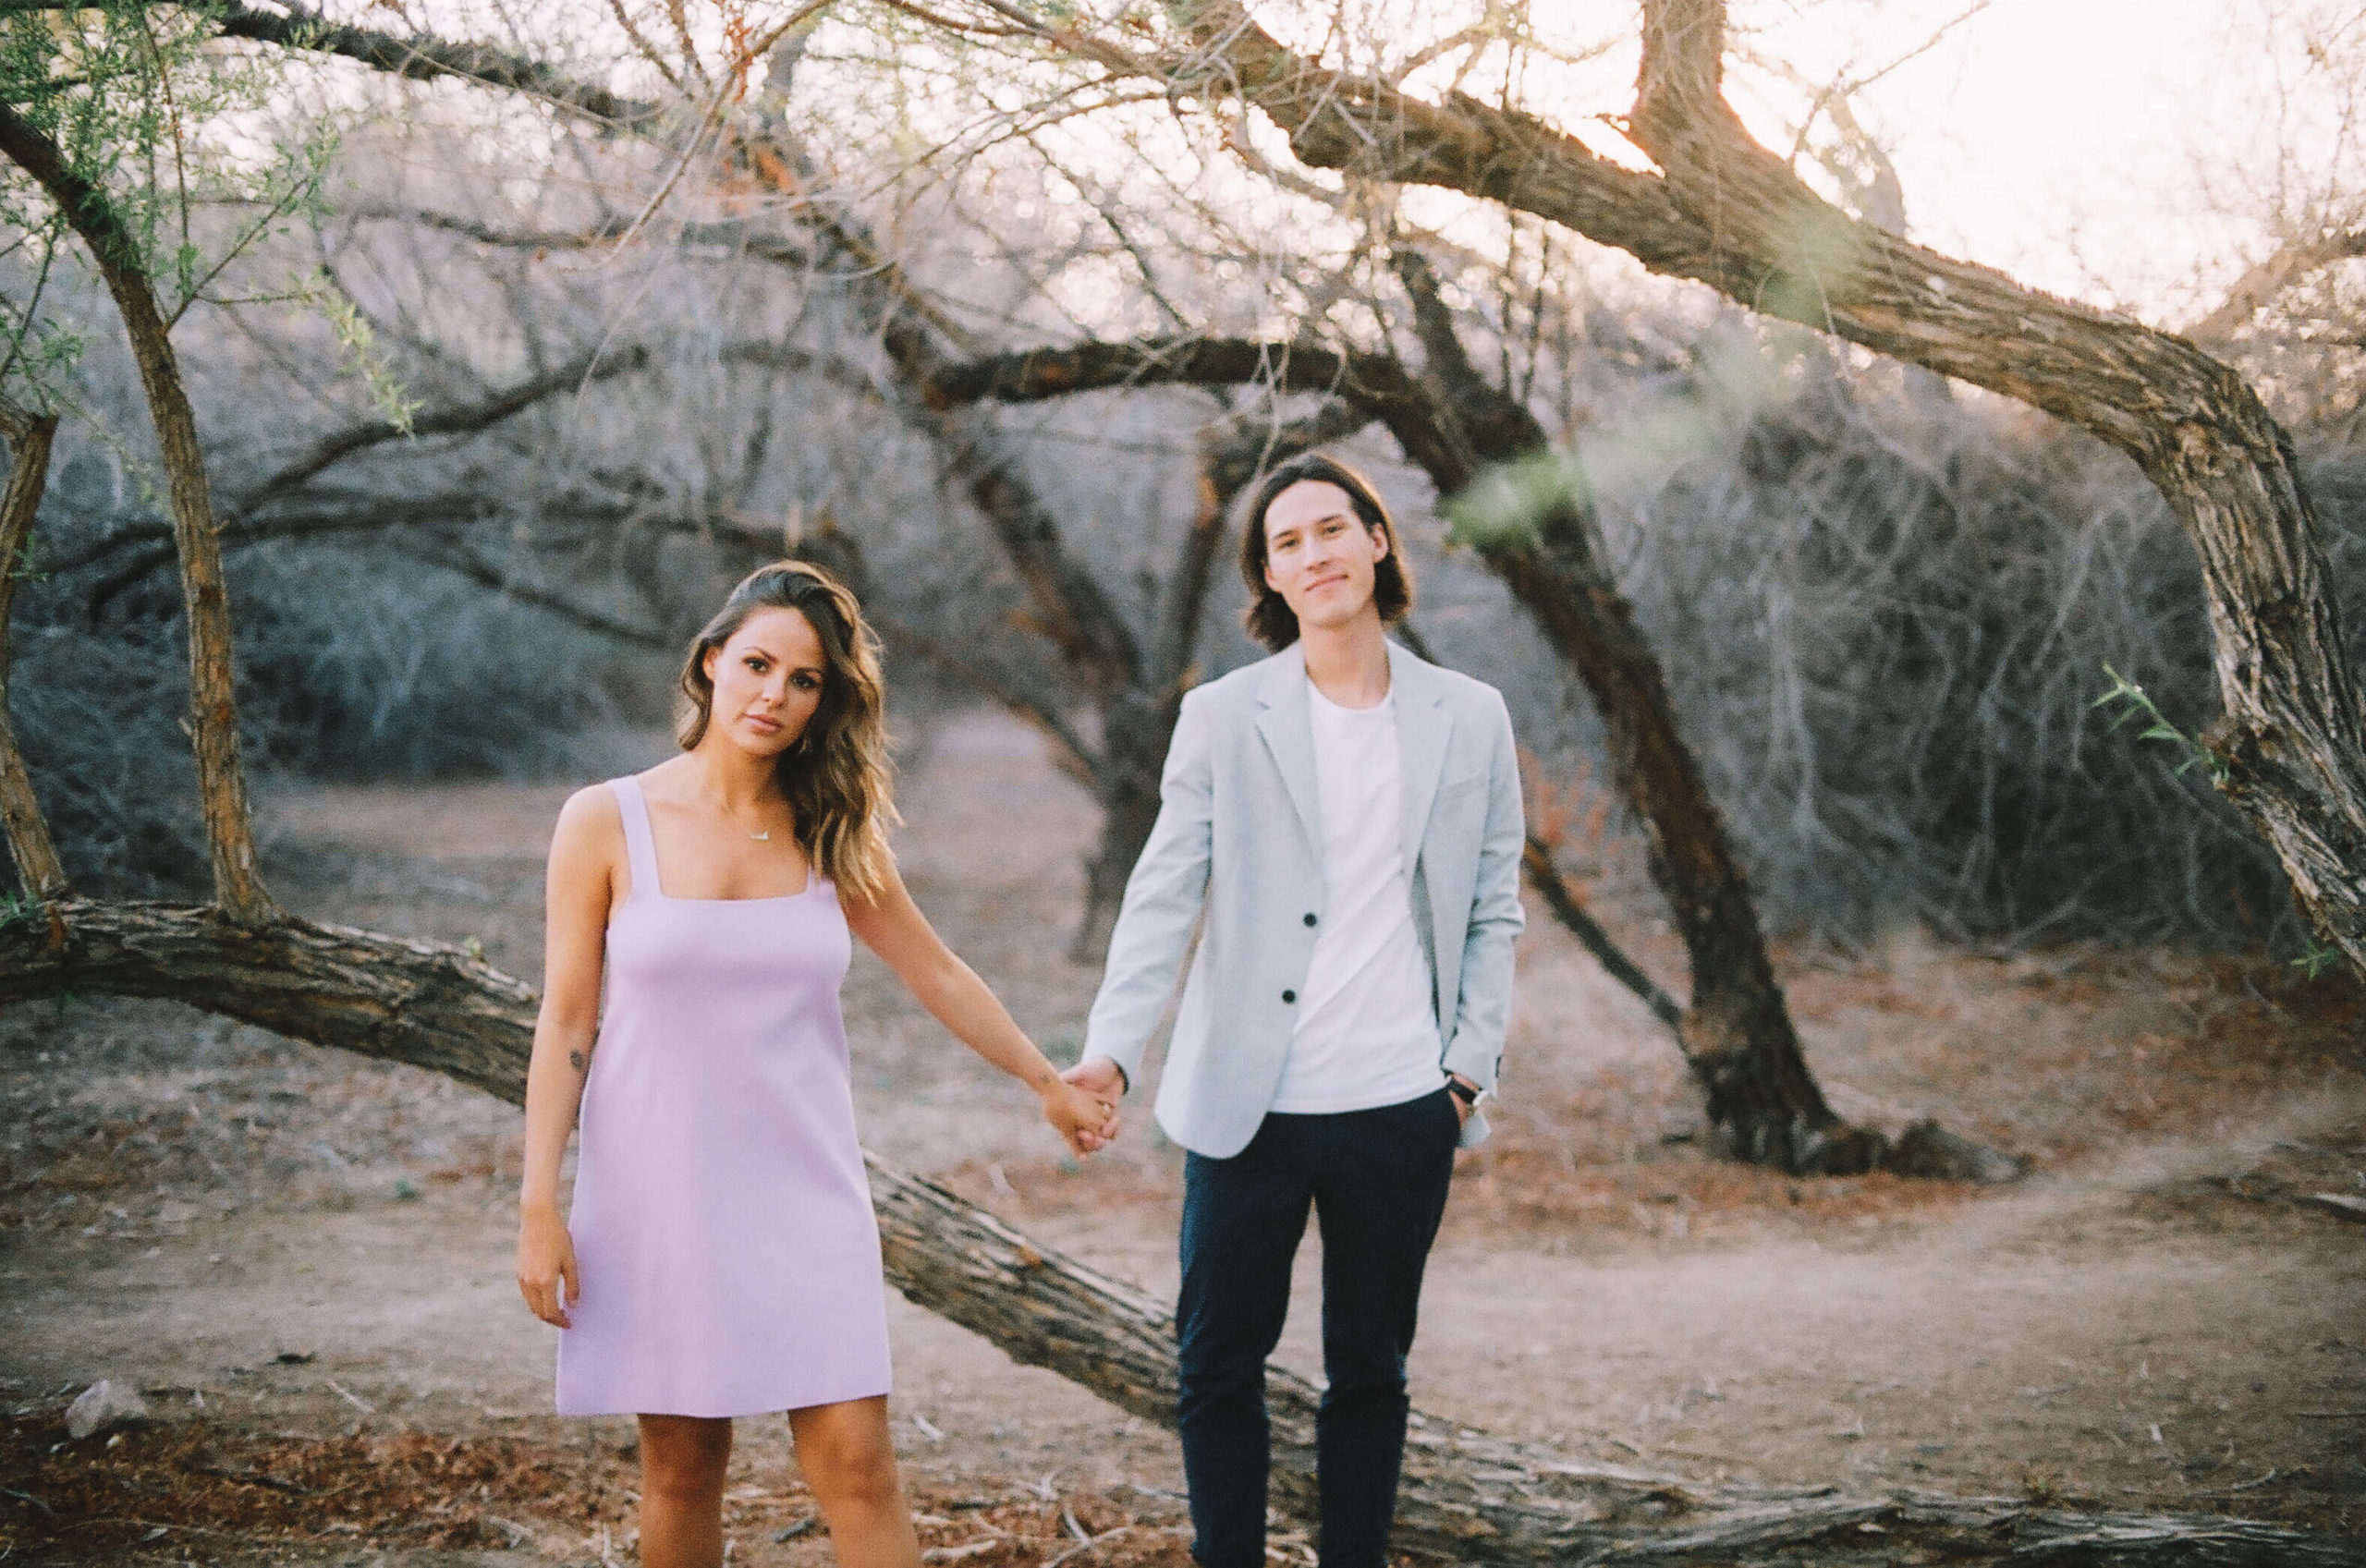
x=682, y=1461
x=850, y=1465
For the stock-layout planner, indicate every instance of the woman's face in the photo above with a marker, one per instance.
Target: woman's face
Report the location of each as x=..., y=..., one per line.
x=768, y=679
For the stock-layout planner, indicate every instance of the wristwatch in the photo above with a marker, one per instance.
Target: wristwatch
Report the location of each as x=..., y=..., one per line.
x=1463, y=1092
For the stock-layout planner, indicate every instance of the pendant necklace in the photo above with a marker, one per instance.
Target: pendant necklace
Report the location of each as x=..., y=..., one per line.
x=763, y=837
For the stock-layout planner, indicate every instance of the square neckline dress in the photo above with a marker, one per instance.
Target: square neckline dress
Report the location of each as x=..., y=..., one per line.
x=722, y=1217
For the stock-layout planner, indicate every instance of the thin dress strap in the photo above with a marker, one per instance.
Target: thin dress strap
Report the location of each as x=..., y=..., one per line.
x=640, y=845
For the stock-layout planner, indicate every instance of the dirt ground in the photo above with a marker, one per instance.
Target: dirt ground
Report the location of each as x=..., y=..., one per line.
x=304, y=1259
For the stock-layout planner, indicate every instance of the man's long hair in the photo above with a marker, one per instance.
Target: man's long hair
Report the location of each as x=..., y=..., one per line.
x=1270, y=619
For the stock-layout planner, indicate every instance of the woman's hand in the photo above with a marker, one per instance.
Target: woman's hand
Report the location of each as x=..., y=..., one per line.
x=1079, y=1116
x=546, y=1272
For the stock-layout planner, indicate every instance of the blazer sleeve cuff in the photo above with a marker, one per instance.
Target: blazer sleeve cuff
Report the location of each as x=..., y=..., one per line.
x=1474, y=1061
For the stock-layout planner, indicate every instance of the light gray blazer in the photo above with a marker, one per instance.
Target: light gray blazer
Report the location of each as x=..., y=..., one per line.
x=1238, y=836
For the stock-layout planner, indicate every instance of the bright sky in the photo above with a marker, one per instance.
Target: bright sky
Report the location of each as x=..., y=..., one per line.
x=2091, y=147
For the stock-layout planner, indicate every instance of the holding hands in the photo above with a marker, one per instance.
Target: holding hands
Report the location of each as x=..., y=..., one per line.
x=1086, y=1119
x=1105, y=1083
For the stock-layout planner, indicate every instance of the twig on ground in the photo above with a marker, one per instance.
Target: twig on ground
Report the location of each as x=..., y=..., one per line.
x=1087, y=1544
x=351, y=1398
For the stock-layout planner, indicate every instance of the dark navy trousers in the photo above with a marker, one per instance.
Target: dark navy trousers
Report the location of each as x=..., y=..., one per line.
x=1377, y=1181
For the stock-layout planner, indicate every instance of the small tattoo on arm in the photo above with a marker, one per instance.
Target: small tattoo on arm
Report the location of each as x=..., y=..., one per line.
x=575, y=1060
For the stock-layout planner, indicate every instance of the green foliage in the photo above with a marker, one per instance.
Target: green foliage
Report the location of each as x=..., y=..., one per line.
x=27, y=567
x=359, y=341
x=147, y=105
x=17, y=909
x=1506, y=503
x=2317, y=959
x=2134, y=707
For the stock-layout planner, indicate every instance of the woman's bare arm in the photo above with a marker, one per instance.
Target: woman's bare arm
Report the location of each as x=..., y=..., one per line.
x=893, y=927
x=580, y=890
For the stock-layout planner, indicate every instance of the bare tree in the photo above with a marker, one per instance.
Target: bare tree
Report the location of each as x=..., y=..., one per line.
x=237, y=887
x=1722, y=210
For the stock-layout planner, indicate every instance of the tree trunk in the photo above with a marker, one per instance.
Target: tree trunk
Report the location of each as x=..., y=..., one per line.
x=214, y=721
x=1135, y=729
x=39, y=872
x=1467, y=1495
x=1763, y=1104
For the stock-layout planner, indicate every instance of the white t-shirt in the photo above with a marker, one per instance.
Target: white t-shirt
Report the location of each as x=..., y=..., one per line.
x=1366, y=1033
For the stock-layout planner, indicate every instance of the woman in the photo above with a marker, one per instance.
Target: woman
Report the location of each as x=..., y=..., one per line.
x=721, y=1258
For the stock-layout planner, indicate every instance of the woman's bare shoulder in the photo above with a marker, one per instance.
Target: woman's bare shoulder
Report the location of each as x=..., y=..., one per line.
x=590, y=821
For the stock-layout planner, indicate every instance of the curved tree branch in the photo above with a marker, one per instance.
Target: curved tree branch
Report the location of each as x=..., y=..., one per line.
x=2260, y=283
x=459, y=419
x=213, y=725
x=1724, y=211
x=423, y=58
x=1567, y=907
x=273, y=497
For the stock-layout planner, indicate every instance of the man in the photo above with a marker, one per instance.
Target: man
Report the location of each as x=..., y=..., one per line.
x=1348, y=818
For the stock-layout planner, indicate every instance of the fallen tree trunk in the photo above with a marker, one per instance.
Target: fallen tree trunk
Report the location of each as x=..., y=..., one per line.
x=1468, y=1495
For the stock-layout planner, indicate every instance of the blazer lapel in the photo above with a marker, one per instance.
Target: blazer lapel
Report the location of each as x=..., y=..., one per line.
x=1287, y=723
x=1423, y=727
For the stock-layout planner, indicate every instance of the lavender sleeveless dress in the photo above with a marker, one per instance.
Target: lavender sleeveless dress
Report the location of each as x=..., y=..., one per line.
x=722, y=1218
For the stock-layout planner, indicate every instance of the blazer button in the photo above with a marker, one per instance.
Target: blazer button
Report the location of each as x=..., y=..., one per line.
x=1289, y=996
x=1310, y=919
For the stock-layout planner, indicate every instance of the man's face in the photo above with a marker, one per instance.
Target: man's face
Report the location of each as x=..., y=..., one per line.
x=1319, y=555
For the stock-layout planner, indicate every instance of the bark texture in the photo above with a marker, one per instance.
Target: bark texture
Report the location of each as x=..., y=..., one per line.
x=214, y=723
x=30, y=850
x=1723, y=210
x=1468, y=1495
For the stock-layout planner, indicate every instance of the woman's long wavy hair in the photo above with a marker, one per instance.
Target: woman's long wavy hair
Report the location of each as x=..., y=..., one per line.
x=836, y=777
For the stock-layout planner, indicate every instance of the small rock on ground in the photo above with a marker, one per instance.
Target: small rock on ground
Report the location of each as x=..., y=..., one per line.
x=103, y=1406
